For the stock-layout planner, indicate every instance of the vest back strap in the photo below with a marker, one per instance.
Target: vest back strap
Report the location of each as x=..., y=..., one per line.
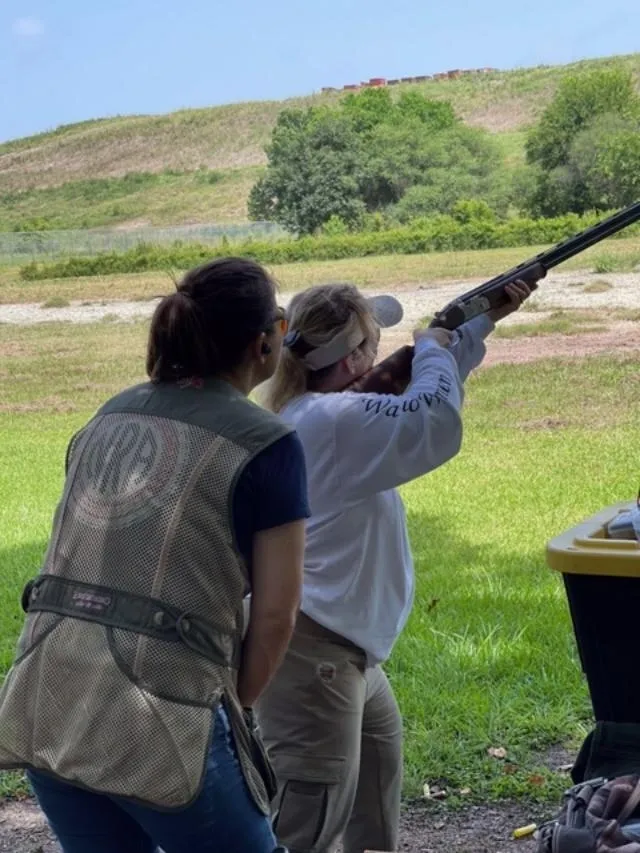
x=138, y=613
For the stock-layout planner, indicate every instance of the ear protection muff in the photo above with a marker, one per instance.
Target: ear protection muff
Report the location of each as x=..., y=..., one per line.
x=265, y=349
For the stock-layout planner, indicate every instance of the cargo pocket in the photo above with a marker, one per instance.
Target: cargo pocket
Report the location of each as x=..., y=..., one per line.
x=309, y=802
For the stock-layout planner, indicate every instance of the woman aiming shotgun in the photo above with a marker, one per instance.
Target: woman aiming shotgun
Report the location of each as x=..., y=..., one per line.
x=329, y=718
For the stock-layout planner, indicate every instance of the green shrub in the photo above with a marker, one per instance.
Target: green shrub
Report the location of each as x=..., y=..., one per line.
x=334, y=226
x=435, y=234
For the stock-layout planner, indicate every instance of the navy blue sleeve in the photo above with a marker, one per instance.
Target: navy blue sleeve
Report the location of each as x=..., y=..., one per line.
x=272, y=490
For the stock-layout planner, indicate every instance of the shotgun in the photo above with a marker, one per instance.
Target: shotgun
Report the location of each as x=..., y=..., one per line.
x=392, y=375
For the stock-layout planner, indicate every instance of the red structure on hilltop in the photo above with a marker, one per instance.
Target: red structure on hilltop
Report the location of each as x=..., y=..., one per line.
x=377, y=82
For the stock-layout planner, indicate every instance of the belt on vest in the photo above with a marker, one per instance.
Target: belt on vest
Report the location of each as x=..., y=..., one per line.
x=129, y=612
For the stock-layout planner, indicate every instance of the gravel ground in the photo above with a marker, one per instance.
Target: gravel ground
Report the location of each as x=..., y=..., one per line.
x=558, y=290
x=474, y=829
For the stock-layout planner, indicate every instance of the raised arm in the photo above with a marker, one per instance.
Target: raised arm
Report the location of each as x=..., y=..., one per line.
x=383, y=441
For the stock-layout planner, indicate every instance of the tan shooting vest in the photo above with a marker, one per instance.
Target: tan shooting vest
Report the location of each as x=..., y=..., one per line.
x=133, y=631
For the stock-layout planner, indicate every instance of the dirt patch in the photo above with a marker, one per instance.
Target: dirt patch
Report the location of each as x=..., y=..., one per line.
x=14, y=349
x=620, y=337
x=597, y=287
x=543, y=424
x=510, y=114
x=23, y=829
x=425, y=827
x=473, y=829
x=133, y=225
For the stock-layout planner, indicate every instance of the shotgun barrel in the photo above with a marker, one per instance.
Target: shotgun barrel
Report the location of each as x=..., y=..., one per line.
x=492, y=294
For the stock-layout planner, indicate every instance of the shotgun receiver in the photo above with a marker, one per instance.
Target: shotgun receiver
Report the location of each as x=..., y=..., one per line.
x=392, y=375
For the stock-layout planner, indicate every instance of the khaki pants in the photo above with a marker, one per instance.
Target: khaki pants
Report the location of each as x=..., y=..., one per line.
x=334, y=734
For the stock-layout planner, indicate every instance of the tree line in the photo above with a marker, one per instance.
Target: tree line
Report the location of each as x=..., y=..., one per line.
x=376, y=162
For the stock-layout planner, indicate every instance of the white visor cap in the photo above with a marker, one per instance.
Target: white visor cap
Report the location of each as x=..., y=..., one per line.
x=387, y=312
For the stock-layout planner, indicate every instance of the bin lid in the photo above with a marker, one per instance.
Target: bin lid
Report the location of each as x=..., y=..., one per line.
x=586, y=550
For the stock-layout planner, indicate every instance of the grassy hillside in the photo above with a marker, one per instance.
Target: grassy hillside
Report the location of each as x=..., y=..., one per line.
x=139, y=198
x=230, y=139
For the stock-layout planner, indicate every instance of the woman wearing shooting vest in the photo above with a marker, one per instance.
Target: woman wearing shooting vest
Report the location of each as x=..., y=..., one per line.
x=129, y=702
x=329, y=718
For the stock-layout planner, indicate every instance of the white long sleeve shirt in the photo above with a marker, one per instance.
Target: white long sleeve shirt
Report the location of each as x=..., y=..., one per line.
x=358, y=569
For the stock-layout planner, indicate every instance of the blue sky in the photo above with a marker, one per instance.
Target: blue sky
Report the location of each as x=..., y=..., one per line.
x=63, y=61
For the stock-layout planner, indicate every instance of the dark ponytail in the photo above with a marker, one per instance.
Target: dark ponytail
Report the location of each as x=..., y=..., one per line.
x=204, y=328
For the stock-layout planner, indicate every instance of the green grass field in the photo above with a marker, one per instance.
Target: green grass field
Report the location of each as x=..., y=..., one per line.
x=488, y=658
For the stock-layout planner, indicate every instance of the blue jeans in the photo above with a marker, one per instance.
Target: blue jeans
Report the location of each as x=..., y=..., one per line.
x=223, y=818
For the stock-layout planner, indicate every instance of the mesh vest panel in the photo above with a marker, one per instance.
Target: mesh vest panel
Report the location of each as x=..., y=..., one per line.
x=146, y=509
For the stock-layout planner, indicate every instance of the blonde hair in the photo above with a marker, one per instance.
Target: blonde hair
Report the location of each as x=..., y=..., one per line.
x=318, y=314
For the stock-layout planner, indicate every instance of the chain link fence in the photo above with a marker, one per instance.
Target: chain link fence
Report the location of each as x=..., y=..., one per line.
x=22, y=247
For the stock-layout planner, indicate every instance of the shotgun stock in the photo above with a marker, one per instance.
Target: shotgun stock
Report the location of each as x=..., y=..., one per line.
x=390, y=376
